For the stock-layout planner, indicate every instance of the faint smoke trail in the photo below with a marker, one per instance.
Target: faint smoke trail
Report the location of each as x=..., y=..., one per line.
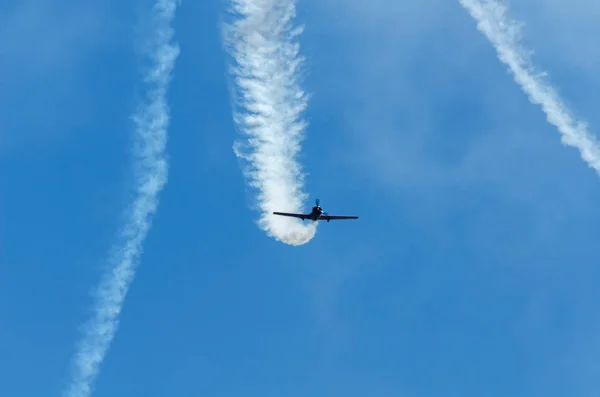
x=268, y=108
x=504, y=35
x=151, y=121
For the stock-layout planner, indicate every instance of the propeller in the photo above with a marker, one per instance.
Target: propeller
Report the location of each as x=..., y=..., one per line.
x=317, y=202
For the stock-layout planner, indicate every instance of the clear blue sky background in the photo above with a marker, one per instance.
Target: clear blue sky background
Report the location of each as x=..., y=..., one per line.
x=472, y=270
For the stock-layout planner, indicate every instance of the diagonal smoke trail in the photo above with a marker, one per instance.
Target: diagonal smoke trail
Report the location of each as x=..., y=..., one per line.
x=504, y=35
x=268, y=108
x=151, y=121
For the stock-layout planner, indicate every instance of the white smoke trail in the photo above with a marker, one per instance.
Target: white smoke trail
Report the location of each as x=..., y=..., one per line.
x=268, y=107
x=151, y=121
x=504, y=35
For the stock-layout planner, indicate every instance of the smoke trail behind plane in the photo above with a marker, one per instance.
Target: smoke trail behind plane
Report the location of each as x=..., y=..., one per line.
x=268, y=104
x=151, y=121
x=504, y=34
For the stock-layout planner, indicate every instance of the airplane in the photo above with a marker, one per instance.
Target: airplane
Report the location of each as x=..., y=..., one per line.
x=316, y=214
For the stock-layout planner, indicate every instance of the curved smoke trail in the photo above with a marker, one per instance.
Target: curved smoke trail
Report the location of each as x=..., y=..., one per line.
x=268, y=107
x=151, y=121
x=504, y=33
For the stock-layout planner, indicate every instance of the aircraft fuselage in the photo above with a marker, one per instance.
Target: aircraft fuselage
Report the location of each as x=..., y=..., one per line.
x=316, y=213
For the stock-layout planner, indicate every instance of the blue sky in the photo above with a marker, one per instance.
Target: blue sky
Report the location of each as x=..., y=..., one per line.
x=471, y=271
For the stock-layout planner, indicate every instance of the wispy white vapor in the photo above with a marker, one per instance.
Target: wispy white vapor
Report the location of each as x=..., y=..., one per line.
x=504, y=34
x=268, y=109
x=151, y=121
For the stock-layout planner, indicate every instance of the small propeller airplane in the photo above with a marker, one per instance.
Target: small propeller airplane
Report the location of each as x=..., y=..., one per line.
x=316, y=214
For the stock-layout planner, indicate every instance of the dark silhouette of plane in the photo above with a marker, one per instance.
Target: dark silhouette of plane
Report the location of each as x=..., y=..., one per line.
x=316, y=214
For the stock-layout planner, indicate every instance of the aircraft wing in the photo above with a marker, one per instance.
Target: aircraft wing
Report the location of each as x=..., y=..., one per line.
x=334, y=217
x=301, y=216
